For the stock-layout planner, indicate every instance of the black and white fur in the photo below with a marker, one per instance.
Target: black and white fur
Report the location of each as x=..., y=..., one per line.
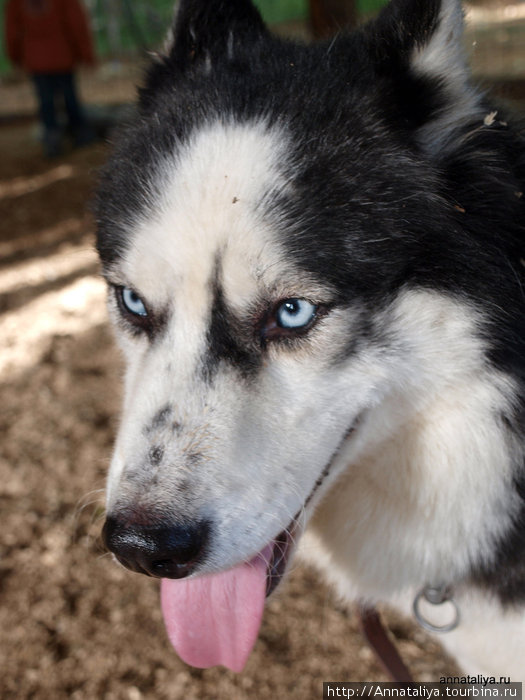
x=370, y=178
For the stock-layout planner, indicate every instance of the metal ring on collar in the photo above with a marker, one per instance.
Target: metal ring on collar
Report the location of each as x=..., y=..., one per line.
x=435, y=595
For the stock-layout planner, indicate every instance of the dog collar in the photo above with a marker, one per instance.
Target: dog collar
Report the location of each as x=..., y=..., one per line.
x=376, y=635
x=436, y=595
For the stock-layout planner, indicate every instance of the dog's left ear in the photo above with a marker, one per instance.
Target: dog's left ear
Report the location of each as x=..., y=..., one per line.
x=418, y=46
x=204, y=32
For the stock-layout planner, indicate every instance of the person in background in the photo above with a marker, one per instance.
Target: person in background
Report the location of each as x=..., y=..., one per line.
x=49, y=39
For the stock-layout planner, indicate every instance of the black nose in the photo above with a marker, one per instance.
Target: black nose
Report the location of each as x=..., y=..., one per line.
x=164, y=551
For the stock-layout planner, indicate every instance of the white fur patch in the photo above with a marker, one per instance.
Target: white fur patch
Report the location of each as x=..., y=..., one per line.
x=212, y=192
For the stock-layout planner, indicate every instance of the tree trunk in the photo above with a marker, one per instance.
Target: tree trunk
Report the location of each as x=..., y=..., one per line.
x=327, y=17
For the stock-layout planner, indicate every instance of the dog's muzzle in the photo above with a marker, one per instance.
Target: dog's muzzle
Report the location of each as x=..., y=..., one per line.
x=163, y=550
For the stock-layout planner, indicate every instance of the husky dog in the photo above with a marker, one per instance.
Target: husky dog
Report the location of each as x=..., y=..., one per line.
x=315, y=263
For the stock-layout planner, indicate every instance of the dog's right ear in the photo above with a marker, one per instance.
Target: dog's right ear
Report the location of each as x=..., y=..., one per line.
x=208, y=29
x=418, y=51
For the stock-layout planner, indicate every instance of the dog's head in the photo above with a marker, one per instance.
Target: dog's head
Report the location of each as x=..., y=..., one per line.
x=257, y=224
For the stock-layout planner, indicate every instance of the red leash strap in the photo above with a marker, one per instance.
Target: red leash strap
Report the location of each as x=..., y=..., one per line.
x=386, y=652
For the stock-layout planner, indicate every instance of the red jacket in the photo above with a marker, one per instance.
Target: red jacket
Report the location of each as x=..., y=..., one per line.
x=48, y=36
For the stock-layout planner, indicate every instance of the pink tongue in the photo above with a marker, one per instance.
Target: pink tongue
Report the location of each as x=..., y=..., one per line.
x=215, y=619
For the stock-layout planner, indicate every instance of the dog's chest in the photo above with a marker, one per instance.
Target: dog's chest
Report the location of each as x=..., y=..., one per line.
x=420, y=509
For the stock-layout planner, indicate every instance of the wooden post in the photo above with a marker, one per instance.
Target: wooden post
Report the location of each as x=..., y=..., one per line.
x=327, y=17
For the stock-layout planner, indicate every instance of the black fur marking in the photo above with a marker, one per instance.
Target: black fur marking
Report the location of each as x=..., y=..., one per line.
x=506, y=574
x=225, y=345
x=156, y=455
x=161, y=418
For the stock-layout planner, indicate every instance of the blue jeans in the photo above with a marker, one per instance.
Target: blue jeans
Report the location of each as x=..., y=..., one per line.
x=48, y=87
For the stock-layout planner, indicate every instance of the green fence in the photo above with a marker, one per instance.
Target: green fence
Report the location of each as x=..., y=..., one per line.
x=125, y=26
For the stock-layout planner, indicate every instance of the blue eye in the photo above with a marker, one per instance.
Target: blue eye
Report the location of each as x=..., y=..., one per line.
x=132, y=302
x=295, y=313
